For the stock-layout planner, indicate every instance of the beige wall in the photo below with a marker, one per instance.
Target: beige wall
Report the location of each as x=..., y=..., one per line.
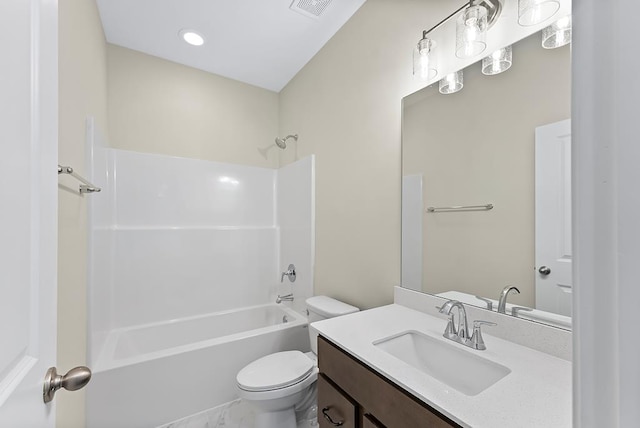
x=83, y=92
x=476, y=147
x=158, y=106
x=346, y=106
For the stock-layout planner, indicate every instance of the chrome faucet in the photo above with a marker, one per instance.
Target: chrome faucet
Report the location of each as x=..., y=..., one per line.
x=290, y=273
x=502, y=304
x=285, y=298
x=460, y=333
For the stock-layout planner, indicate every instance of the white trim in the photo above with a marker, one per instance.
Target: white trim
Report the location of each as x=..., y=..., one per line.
x=606, y=211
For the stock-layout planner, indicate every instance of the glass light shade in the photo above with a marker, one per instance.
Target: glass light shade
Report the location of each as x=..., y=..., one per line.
x=471, y=32
x=498, y=61
x=451, y=83
x=532, y=12
x=424, y=61
x=557, y=34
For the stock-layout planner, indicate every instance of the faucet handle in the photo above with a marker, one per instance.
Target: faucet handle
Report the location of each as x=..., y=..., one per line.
x=487, y=301
x=476, y=338
x=450, y=331
x=479, y=323
x=516, y=309
x=290, y=273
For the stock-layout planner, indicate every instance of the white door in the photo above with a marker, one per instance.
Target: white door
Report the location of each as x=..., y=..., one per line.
x=28, y=206
x=553, y=218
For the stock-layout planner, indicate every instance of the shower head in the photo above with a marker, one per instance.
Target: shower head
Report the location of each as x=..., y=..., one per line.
x=282, y=142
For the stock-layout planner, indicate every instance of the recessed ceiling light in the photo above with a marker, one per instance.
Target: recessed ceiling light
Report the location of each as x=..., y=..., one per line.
x=192, y=37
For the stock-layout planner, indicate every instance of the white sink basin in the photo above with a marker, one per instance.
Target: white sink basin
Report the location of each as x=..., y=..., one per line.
x=462, y=370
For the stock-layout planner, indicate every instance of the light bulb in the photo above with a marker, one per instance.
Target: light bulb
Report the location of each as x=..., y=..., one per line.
x=424, y=62
x=451, y=83
x=532, y=12
x=498, y=61
x=471, y=32
x=557, y=34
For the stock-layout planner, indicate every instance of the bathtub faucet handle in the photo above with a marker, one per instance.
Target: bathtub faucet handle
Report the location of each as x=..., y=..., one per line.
x=290, y=272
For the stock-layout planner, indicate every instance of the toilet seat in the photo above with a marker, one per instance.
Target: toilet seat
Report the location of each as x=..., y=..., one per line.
x=275, y=371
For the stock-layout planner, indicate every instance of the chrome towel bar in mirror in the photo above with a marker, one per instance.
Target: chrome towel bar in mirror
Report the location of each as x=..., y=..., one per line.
x=486, y=207
x=86, y=186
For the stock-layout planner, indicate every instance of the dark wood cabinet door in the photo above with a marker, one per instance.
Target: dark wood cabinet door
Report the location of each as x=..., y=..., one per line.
x=391, y=406
x=370, y=422
x=334, y=407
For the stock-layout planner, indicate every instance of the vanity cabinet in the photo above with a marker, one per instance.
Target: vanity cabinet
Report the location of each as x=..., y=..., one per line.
x=352, y=393
x=335, y=408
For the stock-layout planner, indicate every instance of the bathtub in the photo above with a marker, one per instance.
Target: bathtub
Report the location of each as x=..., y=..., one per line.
x=152, y=374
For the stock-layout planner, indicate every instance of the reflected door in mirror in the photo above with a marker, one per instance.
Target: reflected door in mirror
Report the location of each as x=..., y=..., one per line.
x=553, y=218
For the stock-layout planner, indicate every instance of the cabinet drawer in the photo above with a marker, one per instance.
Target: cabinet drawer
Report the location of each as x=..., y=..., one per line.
x=391, y=405
x=334, y=408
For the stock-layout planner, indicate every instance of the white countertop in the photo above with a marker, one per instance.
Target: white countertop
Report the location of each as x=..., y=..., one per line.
x=537, y=392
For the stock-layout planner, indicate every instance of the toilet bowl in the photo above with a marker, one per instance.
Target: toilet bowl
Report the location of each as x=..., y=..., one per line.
x=276, y=383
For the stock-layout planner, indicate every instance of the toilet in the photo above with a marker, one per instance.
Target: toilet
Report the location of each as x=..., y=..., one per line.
x=278, y=384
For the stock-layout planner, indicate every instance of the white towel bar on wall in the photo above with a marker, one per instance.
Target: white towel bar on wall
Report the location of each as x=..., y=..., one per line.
x=86, y=186
x=486, y=207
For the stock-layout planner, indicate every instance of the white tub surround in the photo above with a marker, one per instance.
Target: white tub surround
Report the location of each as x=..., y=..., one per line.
x=536, y=393
x=174, y=237
x=185, y=262
x=295, y=202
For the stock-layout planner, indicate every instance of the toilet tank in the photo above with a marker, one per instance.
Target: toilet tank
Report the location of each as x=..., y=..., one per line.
x=323, y=307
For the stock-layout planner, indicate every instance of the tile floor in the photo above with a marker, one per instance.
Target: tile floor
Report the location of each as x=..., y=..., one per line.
x=236, y=414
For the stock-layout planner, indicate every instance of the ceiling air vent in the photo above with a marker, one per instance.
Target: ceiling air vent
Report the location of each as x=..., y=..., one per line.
x=311, y=8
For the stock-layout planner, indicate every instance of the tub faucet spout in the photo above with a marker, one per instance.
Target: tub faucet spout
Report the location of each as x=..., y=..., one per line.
x=285, y=298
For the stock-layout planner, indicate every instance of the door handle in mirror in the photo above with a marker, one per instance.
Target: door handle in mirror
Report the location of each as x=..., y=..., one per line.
x=75, y=379
x=544, y=270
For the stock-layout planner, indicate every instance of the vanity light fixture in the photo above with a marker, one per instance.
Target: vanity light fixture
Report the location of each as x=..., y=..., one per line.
x=424, y=63
x=471, y=32
x=532, y=12
x=192, y=37
x=451, y=83
x=498, y=61
x=557, y=34
x=476, y=18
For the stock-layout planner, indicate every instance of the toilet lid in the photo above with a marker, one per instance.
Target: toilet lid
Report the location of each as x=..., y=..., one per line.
x=275, y=371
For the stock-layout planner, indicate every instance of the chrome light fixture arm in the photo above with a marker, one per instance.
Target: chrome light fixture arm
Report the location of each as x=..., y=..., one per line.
x=494, y=9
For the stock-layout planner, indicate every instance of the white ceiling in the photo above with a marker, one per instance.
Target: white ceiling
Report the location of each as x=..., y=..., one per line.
x=259, y=42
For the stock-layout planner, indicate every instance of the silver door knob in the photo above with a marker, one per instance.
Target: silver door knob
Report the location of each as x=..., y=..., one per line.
x=544, y=270
x=75, y=379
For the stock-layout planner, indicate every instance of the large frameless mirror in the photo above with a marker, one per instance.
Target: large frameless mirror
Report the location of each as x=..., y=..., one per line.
x=486, y=190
